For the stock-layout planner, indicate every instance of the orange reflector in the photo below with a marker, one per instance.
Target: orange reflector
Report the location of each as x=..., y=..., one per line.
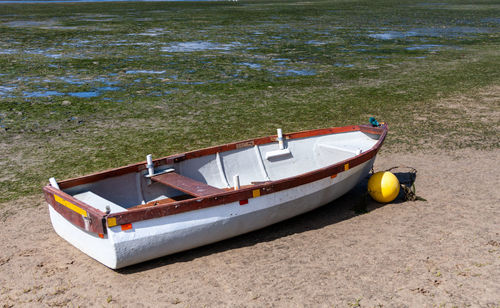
x=256, y=193
x=126, y=227
x=111, y=222
x=346, y=167
x=243, y=202
x=333, y=176
x=101, y=235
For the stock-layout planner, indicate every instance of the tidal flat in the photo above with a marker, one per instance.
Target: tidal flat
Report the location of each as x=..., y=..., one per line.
x=89, y=86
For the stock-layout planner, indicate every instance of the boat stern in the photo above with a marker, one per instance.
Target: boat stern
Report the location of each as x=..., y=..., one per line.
x=81, y=225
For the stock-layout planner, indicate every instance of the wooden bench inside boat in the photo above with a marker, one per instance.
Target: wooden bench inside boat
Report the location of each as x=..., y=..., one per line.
x=186, y=185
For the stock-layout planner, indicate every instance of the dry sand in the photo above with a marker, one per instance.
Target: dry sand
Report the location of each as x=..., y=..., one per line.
x=442, y=252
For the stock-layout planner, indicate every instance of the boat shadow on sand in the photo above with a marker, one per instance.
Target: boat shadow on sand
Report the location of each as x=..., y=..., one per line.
x=355, y=202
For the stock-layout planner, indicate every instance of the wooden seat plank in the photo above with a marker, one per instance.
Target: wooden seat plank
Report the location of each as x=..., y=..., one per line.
x=186, y=185
x=164, y=201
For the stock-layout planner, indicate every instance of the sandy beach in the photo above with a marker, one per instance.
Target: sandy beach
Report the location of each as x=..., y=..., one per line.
x=441, y=252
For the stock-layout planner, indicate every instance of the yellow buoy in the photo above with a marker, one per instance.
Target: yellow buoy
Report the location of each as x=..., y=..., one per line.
x=383, y=186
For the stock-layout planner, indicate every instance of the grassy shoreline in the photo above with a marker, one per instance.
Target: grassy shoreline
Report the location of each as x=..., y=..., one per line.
x=85, y=87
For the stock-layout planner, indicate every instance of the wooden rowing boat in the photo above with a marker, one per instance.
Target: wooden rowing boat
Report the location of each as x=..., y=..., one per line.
x=150, y=209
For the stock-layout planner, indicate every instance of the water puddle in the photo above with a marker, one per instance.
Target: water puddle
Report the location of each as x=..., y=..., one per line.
x=391, y=35
x=8, y=51
x=54, y=53
x=98, y=19
x=108, y=88
x=80, y=43
x=427, y=47
x=199, y=46
x=5, y=90
x=30, y=23
x=492, y=20
x=343, y=65
x=250, y=65
x=144, y=72
x=189, y=82
x=42, y=93
x=71, y=80
x=82, y=94
x=151, y=32
x=128, y=43
x=87, y=94
x=293, y=72
x=94, y=16
x=446, y=32
x=106, y=81
x=60, y=27
x=315, y=43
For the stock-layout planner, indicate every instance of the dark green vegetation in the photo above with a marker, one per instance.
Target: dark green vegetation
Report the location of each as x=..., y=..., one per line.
x=89, y=86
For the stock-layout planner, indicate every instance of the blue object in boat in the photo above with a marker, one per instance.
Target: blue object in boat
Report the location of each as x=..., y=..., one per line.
x=374, y=122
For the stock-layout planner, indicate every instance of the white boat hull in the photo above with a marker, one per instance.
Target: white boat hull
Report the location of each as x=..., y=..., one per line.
x=153, y=238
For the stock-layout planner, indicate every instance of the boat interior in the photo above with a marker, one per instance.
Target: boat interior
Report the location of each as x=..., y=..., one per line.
x=216, y=173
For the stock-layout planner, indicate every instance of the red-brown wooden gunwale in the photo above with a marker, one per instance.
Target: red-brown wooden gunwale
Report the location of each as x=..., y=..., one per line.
x=160, y=208
x=163, y=208
x=65, y=184
x=96, y=223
